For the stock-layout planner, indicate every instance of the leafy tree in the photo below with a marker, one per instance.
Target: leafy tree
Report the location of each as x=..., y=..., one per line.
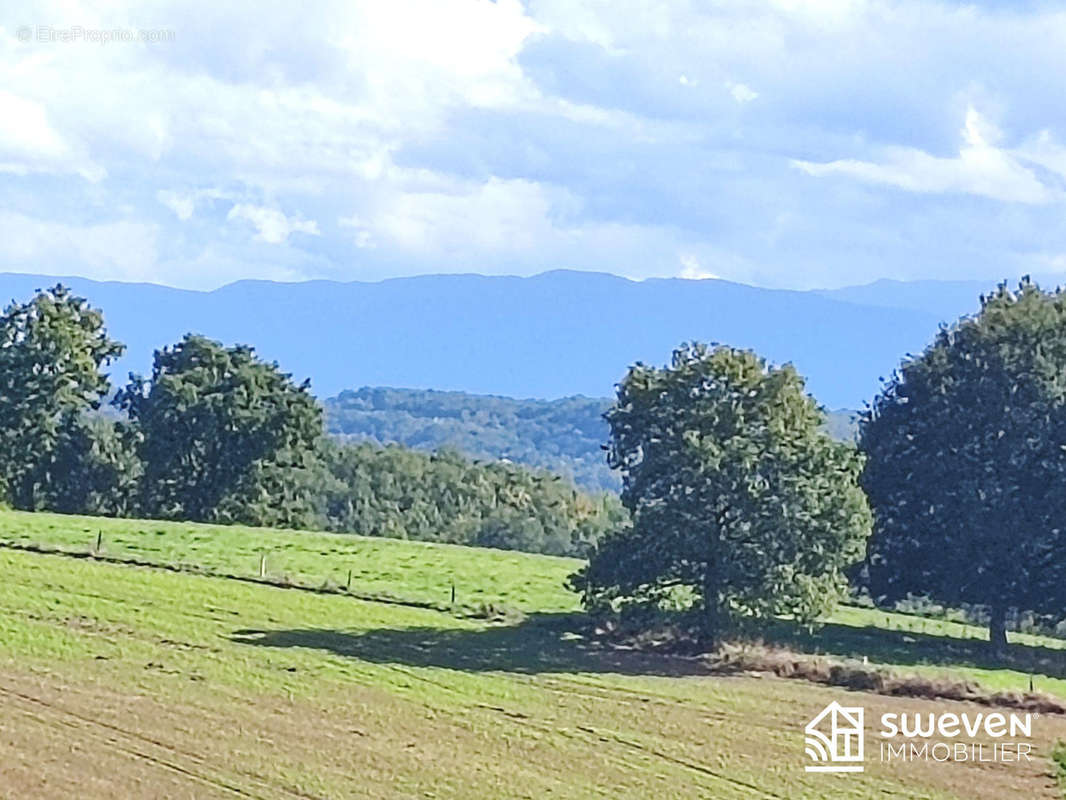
x=966, y=463
x=217, y=435
x=52, y=350
x=737, y=496
x=221, y=433
x=291, y=492
x=399, y=492
x=95, y=469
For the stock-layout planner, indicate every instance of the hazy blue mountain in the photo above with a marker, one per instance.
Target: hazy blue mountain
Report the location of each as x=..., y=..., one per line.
x=553, y=335
x=842, y=424
x=947, y=300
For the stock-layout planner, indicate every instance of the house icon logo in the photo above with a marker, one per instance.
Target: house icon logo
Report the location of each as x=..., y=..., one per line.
x=834, y=739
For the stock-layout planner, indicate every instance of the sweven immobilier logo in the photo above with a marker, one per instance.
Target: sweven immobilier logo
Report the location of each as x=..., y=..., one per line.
x=835, y=738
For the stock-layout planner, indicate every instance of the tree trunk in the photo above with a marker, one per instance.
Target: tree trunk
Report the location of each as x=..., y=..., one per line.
x=712, y=621
x=997, y=629
x=713, y=617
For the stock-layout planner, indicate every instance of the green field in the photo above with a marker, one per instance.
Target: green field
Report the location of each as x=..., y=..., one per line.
x=423, y=573
x=124, y=681
x=418, y=572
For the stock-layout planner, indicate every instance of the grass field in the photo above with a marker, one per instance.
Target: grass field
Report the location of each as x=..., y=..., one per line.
x=121, y=681
x=419, y=572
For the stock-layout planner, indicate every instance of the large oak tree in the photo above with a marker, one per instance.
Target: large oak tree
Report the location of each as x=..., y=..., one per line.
x=737, y=495
x=225, y=436
x=966, y=463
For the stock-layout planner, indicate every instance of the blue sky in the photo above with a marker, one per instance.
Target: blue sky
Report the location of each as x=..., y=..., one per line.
x=797, y=143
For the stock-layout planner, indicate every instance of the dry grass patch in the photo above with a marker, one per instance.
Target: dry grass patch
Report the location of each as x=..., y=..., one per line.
x=756, y=657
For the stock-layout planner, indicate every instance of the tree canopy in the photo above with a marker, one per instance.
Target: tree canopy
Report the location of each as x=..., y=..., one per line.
x=443, y=496
x=52, y=351
x=219, y=429
x=737, y=495
x=564, y=436
x=223, y=436
x=966, y=462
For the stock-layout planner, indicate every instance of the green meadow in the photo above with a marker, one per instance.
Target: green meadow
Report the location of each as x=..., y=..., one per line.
x=122, y=680
x=417, y=572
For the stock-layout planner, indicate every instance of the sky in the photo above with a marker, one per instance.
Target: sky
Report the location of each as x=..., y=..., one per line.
x=793, y=143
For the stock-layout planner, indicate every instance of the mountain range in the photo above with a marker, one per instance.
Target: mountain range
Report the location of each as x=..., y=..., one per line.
x=553, y=335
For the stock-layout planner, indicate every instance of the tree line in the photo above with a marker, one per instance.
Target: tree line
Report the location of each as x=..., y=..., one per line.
x=215, y=434
x=736, y=504
x=564, y=436
x=742, y=508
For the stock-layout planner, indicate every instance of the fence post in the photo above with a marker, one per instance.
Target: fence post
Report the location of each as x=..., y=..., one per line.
x=348, y=585
x=262, y=565
x=99, y=541
x=453, y=593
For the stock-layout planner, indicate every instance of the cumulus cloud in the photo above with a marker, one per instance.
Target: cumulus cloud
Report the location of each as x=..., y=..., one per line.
x=692, y=270
x=981, y=168
x=119, y=249
x=742, y=93
x=272, y=225
x=29, y=142
x=181, y=204
x=496, y=216
x=786, y=143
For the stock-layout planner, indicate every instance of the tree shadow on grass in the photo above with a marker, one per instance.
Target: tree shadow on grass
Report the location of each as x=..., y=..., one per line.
x=543, y=643
x=548, y=643
x=915, y=648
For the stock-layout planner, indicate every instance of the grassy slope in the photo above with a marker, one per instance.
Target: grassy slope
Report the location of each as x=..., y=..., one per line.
x=124, y=681
x=937, y=647
x=423, y=572
x=413, y=701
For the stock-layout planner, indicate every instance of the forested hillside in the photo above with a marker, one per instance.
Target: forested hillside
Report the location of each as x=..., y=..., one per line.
x=216, y=434
x=564, y=436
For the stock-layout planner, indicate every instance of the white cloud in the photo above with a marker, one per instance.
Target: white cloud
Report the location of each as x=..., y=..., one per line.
x=185, y=202
x=742, y=93
x=516, y=137
x=29, y=142
x=498, y=215
x=518, y=227
x=981, y=168
x=1043, y=151
x=182, y=205
x=457, y=51
x=692, y=270
x=120, y=250
x=272, y=225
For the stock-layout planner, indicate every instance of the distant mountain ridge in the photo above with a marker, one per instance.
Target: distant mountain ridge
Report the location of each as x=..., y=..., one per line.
x=557, y=334
x=948, y=300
